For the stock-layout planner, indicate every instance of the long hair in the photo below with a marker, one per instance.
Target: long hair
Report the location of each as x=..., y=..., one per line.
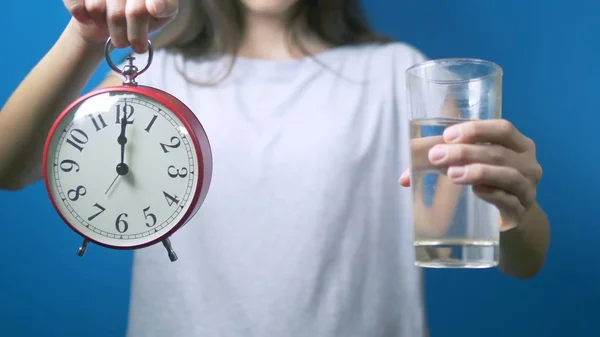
x=216, y=27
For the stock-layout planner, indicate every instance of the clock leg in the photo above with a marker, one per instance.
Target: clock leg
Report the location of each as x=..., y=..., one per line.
x=81, y=250
x=167, y=243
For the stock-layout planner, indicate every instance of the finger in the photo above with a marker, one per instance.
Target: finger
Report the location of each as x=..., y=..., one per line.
x=463, y=154
x=444, y=155
x=495, y=131
x=78, y=11
x=117, y=22
x=405, y=178
x=420, y=148
x=506, y=178
x=162, y=8
x=97, y=11
x=138, y=19
x=508, y=204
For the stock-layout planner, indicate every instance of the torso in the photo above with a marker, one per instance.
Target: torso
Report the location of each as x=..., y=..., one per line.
x=305, y=231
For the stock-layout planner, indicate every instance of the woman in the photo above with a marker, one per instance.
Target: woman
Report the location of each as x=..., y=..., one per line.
x=304, y=232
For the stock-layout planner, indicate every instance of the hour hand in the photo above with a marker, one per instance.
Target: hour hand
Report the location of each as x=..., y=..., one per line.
x=122, y=140
x=122, y=168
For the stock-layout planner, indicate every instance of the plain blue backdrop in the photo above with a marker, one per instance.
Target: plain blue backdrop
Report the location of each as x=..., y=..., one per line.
x=549, y=51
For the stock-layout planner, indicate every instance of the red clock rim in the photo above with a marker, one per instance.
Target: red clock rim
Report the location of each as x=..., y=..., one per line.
x=171, y=103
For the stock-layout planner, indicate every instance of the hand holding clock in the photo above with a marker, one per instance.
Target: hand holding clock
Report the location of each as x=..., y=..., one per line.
x=172, y=149
x=127, y=22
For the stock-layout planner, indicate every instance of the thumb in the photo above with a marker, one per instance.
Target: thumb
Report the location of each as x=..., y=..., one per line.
x=405, y=178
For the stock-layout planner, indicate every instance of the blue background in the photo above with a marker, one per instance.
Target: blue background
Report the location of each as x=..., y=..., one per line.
x=549, y=51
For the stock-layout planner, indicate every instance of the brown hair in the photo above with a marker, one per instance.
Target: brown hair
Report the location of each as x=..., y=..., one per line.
x=217, y=26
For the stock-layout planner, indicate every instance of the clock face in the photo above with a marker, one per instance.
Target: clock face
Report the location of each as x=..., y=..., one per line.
x=122, y=203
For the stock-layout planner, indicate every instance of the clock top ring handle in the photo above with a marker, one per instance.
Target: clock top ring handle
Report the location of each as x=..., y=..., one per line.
x=130, y=71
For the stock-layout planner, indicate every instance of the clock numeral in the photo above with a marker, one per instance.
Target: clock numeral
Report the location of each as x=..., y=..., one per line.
x=120, y=224
x=175, y=142
x=177, y=173
x=98, y=123
x=101, y=209
x=76, y=193
x=78, y=139
x=150, y=216
x=171, y=200
x=126, y=109
x=69, y=165
x=151, y=123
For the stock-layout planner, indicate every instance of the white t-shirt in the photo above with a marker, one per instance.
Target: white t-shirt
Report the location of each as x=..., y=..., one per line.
x=305, y=231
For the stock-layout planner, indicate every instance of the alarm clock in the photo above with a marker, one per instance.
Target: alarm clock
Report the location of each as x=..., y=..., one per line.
x=125, y=167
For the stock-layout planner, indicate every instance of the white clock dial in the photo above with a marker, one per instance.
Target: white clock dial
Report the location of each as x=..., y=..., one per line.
x=143, y=204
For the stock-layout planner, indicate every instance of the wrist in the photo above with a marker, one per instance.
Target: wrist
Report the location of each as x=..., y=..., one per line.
x=73, y=40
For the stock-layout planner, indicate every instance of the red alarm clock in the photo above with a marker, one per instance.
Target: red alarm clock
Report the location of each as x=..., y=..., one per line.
x=126, y=166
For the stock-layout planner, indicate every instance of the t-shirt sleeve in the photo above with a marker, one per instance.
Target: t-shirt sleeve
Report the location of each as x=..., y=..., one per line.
x=436, y=99
x=404, y=57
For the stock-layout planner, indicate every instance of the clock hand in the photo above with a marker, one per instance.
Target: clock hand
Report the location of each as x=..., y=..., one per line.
x=113, y=182
x=122, y=168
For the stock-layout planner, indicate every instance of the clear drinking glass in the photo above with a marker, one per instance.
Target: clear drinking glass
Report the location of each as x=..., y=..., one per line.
x=454, y=228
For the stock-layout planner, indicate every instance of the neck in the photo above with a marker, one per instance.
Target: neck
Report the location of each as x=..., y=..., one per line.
x=267, y=37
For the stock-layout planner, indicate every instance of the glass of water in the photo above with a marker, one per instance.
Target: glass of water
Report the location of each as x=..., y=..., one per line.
x=454, y=228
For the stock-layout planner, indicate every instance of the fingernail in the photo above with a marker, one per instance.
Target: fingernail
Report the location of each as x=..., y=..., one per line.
x=436, y=154
x=139, y=47
x=452, y=134
x=456, y=172
x=404, y=175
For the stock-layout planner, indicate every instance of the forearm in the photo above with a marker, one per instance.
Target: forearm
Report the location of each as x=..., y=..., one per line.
x=27, y=116
x=523, y=249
